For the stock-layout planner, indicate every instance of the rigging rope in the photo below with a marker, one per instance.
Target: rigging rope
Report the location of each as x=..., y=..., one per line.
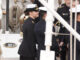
x=70, y=32
x=75, y=25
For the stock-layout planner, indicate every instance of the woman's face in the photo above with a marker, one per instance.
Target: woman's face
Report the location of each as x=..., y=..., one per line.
x=35, y=14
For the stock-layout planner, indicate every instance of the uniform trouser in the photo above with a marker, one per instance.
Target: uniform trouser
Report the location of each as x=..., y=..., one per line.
x=63, y=56
x=38, y=55
x=27, y=58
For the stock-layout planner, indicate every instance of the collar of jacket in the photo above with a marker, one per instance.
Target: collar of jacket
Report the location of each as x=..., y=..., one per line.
x=33, y=20
x=64, y=5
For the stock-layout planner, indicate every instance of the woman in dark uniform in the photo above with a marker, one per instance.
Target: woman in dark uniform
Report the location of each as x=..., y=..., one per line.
x=27, y=50
x=39, y=31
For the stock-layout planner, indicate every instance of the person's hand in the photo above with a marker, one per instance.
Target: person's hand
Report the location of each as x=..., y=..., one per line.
x=67, y=45
x=61, y=43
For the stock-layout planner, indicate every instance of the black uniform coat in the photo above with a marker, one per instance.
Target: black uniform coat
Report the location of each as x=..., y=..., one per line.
x=63, y=11
x=40, y=35
x=28, y=46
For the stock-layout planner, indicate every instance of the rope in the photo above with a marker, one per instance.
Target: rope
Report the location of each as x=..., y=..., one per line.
x=75, y=30
x=70, y=32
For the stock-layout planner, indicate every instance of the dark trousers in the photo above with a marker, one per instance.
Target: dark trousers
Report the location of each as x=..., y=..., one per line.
x=63, y=56
x=27, y=58
x=63, y=53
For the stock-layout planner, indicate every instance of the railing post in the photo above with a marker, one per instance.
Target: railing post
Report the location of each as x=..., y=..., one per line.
x=49, y=26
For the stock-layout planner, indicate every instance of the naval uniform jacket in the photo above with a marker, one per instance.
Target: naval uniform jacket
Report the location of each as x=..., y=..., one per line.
x=28, y=45
x=63, y=11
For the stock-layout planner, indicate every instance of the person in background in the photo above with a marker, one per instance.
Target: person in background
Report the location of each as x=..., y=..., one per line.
x=77, y=41
x=64, y=12
x=78, y=30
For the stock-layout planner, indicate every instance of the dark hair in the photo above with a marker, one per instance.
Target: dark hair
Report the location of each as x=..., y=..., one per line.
x=27, y=13
x=42, y=13
x=78, y=13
